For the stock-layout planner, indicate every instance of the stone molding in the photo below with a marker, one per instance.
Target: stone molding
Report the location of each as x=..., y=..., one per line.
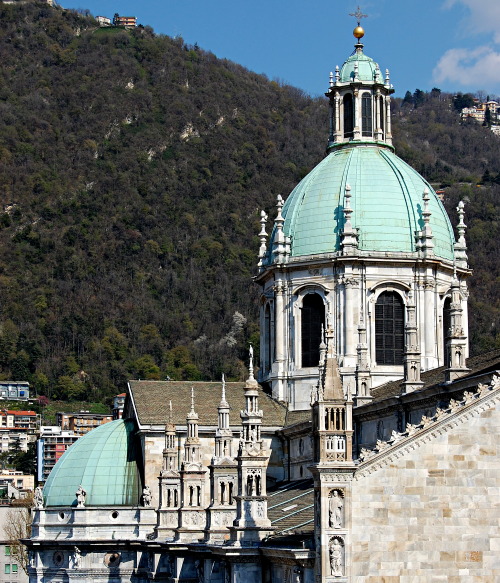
x=473, y=404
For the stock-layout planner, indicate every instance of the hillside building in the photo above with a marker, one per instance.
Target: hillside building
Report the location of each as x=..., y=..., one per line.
x=125, y=21
x=82, y=422
x=366, y=448
x=17, y=429
x=119, y=405
x=14, y=391
x=51, y=445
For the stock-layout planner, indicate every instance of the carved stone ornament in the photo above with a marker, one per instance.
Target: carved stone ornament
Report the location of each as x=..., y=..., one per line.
x=468, y=397
x=38, y=498
x=112, y=559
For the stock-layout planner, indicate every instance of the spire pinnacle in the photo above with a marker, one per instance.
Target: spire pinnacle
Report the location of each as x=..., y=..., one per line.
x=250, y=363
x=192, y=413
x=170, y=415
x=223, y=403
x=263, y=237
x=461, y=245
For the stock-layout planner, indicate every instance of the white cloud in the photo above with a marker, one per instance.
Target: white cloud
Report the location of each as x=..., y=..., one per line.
x=483, y=17
x=476, y=67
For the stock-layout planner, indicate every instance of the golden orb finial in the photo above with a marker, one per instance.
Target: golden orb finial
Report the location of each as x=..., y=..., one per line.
x=358, y=32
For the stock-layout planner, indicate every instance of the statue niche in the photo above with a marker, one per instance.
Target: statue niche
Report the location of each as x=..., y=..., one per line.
x=336, y=549
x=336, y=509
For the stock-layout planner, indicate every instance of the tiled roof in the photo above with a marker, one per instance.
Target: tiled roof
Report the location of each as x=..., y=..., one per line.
x=9, y=412
x=293, y=417
x=486, y=362
x=290, y=507
x=151, y=400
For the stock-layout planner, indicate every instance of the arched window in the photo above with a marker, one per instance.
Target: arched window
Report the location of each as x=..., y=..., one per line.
x=348, y=116
x=366, y=115
x=389, y=329
x=446, y=328
x=313, y=320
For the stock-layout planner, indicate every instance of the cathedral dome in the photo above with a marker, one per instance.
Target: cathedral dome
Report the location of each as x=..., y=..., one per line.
x=386, y=198
x=104, y=462
x=366, y=68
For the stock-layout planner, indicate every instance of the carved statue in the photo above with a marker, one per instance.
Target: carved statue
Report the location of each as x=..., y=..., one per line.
x=76, y=557
x=335, y=510
x=38, y=498
x=81, y=495
x=250, y=485
x=146, y=497
x=32, y=559
x=336, y=558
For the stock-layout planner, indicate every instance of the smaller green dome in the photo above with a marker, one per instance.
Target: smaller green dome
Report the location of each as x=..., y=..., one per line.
x=104, y=462
x=366, y=68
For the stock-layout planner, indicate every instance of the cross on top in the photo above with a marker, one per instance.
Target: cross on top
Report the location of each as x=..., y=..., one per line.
x=358, y=15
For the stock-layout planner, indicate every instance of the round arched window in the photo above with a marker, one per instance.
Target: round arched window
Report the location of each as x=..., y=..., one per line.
x=389, y=329
x=313, y=320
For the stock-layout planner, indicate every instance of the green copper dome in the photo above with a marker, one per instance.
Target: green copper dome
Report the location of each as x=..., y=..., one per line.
x=366, y=68
x=104, y=462
x=386, y=197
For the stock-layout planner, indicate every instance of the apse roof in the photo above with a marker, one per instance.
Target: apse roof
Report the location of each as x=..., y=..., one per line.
x=104, y=462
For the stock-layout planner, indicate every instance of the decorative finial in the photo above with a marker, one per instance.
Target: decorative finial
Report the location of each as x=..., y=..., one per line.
x=170, y=416
x=263, y=238
x=250, y=366
x=281, y=246
x=331, y=78
x=358, y=32
x=337, y=73
x=461, y=244
x=358, y=15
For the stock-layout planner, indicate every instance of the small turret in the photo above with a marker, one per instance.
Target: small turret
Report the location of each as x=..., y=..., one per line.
x=412, y=360
x=456, y=338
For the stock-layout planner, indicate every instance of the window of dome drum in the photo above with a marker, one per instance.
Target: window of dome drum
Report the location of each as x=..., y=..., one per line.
x=366, y=114
x=389, y=329
x=313, y=320
x=446, y=327
x=348, y=116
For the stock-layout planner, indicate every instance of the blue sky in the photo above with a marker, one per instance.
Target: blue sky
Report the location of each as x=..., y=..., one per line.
x=450, y=44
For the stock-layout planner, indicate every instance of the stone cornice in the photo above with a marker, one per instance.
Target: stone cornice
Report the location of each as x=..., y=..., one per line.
x=386, y=452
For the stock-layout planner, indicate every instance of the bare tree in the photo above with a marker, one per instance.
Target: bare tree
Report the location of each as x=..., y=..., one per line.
x=18, y=527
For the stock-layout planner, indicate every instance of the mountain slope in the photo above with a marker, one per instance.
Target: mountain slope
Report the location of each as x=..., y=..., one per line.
x=132, y=172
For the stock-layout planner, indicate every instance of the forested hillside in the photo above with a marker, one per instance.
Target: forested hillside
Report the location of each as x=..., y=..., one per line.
x=132, y=172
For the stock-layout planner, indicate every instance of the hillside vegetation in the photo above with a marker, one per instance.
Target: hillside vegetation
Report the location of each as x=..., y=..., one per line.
x=132, y=172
